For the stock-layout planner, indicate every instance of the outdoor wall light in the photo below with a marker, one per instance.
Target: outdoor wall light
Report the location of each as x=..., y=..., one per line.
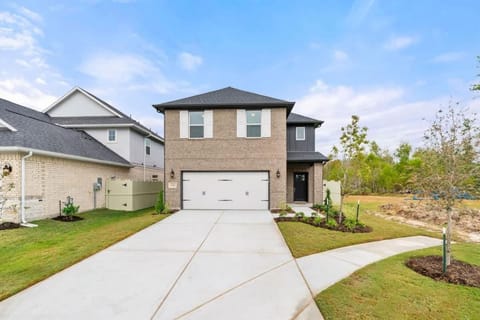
x=278, y=173
x=172, y=174
x=7, y=169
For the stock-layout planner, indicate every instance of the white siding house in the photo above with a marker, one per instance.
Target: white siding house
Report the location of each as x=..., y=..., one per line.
x=128, y=138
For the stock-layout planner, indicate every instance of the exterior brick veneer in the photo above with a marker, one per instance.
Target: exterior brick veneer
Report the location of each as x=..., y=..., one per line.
x=225, y=151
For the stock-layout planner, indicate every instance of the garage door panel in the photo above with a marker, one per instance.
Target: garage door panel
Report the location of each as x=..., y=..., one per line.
x=225, y=190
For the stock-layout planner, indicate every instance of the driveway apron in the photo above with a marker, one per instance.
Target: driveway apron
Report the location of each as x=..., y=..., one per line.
x=192, y=265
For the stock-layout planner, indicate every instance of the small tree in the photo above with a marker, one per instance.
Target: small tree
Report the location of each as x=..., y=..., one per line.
x=450, y=160
x=351, y=154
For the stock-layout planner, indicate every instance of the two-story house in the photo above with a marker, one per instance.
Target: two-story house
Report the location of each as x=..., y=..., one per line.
x=233, y=149
x=143, y=148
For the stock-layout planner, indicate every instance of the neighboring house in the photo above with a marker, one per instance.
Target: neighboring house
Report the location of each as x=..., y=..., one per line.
x=79, y=109
x=49, y=163
x=233, y=149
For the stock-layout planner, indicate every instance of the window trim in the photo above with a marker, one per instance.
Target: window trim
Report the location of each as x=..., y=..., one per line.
x=115, y=135
x=253, y=124
x=296, y=133
x=196, y=125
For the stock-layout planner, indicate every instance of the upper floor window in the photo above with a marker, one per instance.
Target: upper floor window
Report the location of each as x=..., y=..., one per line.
x=196, y=124
x=300, y=133
x=112, y=135
x=254, y=123
x=147, y=146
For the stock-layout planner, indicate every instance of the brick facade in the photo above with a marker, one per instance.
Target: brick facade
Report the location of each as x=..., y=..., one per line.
x=225, y=151
x=50, y=180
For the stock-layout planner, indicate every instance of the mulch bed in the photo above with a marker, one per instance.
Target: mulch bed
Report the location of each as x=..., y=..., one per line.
x=290, y=210
x=323, y=224
x=458, y=272
x=68, y=218
x=9, y=225
x=169, y=212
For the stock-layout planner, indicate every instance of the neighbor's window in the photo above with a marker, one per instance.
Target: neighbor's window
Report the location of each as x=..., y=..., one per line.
x=112, y=135
x=300, y=133
x=196, y=125
x=147, y=146
x=254, y=123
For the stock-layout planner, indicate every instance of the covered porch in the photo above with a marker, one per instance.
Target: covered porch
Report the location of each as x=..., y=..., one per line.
x=305, y=177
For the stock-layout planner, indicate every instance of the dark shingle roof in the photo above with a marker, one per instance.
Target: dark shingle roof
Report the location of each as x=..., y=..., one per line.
x=294, y=118
x=307, y=156
x=224, y=98
x=36, y=130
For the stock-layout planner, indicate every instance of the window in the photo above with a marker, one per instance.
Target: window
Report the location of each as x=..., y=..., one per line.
x=112, y=135
x=254, y=123
x=300, y=133
x=196, y=124
x=147, y=146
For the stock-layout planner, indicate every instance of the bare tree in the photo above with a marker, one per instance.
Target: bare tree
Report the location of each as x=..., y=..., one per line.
x=450, y=160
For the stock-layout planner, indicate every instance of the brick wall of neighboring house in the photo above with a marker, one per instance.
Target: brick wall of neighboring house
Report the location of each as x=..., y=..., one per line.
x=226, y=152
x=50, y=180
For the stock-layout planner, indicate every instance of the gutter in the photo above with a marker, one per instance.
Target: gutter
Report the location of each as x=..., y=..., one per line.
x=23, y=220
x=63, y=156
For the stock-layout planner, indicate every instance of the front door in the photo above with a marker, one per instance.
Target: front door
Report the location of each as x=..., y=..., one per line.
x=300, y=186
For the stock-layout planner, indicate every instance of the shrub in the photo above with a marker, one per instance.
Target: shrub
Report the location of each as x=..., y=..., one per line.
x=160, y=204
x=282, y=213
x=332, y=223
x=314, y=214
x=350, y=224
x=70, y=209
x=166, y=209
x=318, y=206
x=299, y=215
x=306, y=219
x=317, y=220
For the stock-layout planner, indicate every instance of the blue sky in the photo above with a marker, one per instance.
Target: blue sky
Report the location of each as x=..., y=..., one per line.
x=391, y=62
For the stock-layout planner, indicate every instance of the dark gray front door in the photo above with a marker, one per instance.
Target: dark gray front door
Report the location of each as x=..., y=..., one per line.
x=300, y=185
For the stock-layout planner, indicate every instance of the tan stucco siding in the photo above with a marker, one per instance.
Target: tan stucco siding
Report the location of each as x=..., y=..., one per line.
x=225, y=151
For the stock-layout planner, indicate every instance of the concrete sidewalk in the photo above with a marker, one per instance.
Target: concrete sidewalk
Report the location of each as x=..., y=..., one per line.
x=324, y=269
x=192, y=265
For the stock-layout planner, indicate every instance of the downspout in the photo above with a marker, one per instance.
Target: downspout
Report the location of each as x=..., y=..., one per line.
x=23, y=220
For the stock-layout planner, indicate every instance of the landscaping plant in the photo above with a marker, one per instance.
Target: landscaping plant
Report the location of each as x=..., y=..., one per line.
x=160, y=203
x=450, y=161
x=70, y=209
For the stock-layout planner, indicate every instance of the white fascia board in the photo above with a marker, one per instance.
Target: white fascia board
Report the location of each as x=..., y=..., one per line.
x=6, y=125
x=63, y=156
x=53, y=105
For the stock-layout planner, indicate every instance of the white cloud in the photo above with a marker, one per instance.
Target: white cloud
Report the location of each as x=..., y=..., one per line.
x=189, y=61
x=400, y=42
x=390, y=117
x=340, y=56
x=448, y=57
x=23, y=63
x=25, y=93
x=113, y=71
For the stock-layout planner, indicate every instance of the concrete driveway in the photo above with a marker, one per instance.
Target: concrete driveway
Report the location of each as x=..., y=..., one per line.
x=192, y=265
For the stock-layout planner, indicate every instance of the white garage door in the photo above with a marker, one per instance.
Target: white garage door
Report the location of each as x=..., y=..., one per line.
x=225, y=190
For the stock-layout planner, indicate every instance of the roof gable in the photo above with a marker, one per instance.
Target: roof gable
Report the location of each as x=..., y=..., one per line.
x=35, y=130
x=295, y=118
x=81, y=103
x=224, y=98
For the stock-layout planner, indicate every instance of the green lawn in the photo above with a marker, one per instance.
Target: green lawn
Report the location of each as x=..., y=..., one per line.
x=28, y=255
x=304, y=239
x=389, y=290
